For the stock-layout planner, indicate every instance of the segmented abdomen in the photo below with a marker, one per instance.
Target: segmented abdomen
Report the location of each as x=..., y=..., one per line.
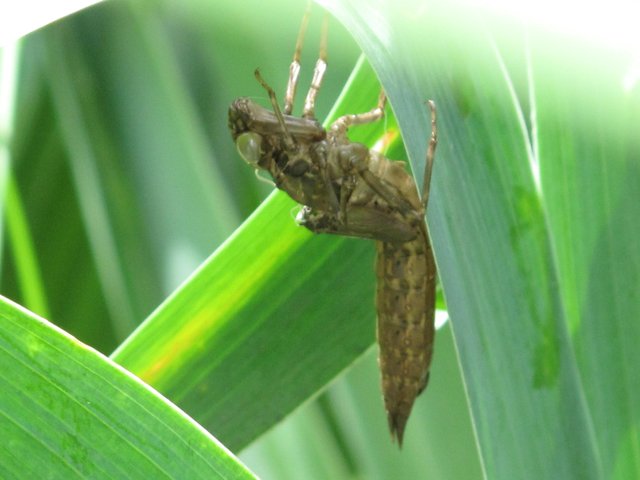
x=405, y=302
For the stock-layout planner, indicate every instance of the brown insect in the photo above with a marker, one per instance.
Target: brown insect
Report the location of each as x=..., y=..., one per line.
x=346, y=189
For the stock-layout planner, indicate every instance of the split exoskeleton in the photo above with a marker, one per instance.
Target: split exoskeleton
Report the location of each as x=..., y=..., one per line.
x=347, y=189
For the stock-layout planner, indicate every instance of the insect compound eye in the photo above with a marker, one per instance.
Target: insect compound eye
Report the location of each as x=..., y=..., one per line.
x=248, y=145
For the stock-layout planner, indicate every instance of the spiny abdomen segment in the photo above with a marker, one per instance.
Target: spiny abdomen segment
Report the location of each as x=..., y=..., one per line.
x=405, y=302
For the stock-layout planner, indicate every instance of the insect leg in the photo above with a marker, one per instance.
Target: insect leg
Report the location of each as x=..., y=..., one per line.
x=431, y=150
x=341, y=125
x=318, y=73
x=294, y=68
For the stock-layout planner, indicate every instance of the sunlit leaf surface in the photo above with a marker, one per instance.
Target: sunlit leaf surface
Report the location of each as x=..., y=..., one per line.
x=68, y=412
x=538, y=277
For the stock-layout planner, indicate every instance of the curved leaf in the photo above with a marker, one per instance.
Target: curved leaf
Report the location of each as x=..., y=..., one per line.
x=520, y=261
x=68, y=412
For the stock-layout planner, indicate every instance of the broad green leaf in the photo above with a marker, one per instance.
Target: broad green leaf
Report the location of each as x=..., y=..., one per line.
x=538, y=278
x=68, y=412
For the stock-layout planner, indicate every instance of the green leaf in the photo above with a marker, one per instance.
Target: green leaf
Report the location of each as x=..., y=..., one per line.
x=539, y=288
x=69, y=412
